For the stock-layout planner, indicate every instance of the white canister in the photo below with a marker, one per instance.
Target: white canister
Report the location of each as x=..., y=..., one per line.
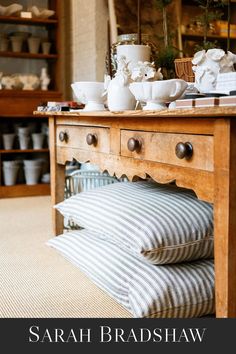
x=134, y=53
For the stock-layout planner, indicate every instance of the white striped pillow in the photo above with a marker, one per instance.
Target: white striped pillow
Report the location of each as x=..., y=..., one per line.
x=146, y=290
x=161, y=223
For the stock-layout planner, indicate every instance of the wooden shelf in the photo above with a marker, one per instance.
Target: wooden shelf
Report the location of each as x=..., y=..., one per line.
x=28, y=55
x=18, y=151
x=29, y=93
x=24, y=190
x=29, y=21
x=17, y=105
x=210, y=36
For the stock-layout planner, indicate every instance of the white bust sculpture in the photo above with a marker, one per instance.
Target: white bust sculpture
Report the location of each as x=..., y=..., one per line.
x=146, y=71
x=44, y=79
x=1, y=75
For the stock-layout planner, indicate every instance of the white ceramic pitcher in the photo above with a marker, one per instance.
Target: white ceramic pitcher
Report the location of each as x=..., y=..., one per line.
x=119, y=96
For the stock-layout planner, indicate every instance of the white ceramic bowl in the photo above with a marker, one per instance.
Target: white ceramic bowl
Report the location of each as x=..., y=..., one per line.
x=157, y=93
x=91, y=94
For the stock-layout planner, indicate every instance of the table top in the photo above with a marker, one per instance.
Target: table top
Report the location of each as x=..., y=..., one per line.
x=208, y=112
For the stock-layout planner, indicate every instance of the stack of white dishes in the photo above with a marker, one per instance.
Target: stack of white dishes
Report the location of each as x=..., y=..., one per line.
x=226, y=82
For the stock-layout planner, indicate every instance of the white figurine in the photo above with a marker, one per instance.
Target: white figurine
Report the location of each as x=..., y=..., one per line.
x=1, y=75
x=44, y=79
x=208, y=64
x=146, y=71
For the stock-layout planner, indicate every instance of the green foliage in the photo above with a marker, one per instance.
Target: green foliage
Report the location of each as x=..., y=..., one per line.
x=162, y=3
x=206, y=45
x=210, y=13
x=166, y=53
x=165, y=60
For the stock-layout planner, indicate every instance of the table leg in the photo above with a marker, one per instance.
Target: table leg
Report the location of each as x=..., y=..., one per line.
x=225, y=217
x=57, y=180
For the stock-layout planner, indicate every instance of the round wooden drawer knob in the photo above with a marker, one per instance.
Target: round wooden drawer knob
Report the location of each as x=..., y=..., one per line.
x=91, y=139
x=63, y=136
x=134, y=145
x=184, y=150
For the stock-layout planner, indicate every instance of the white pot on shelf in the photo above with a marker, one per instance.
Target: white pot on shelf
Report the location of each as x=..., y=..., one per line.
x=8, y=141
x=38, y=140
x=32, y=174
x=10, y=172
x=24, y=141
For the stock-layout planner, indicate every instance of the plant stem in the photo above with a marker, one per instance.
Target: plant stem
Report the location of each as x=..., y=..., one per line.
x=165, y=29
x=206, y=22
x=139, y=20
x=228, y=19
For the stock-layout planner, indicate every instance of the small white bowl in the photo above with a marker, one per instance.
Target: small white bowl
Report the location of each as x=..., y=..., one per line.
x=157, y=93
x=91, y=93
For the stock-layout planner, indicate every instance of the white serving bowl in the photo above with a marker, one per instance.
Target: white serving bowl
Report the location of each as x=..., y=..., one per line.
x=91, y=93
x=157, y=93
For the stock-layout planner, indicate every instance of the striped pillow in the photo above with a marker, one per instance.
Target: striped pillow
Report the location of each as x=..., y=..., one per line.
x=146, y=290
x=162, y=223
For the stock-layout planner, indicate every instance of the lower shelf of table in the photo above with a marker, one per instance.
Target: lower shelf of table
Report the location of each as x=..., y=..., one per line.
x=24, y=190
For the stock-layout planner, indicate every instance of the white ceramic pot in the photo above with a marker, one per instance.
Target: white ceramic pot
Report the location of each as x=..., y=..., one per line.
x=134, y=53
x=32, y=174
x=16, y=42
x=24, y=141
x=32, y=163
x=8, y=141
x=10, y=173
x=4, y=43
x=46, y=46
x=34, y=44
x=38, y=140
x=23, y=130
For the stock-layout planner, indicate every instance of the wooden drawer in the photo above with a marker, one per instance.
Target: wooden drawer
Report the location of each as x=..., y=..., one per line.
x=161, y=147
x=84, y=138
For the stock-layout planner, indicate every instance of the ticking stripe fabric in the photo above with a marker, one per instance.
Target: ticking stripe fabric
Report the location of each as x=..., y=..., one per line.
x=162, y=223
x=146, y=290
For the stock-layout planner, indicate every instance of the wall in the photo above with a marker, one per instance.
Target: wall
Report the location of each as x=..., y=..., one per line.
x=88, y=39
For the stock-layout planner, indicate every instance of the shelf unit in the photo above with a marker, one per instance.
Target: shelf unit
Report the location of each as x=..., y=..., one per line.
x=188, y=33
x=16, y=105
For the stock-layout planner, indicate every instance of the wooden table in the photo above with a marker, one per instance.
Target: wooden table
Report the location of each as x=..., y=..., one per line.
x=139, y=143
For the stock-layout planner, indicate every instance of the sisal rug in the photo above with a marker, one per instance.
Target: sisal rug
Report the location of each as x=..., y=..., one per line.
x=37, y=282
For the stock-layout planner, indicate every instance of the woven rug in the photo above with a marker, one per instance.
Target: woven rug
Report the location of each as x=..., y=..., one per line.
x=35, y=281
